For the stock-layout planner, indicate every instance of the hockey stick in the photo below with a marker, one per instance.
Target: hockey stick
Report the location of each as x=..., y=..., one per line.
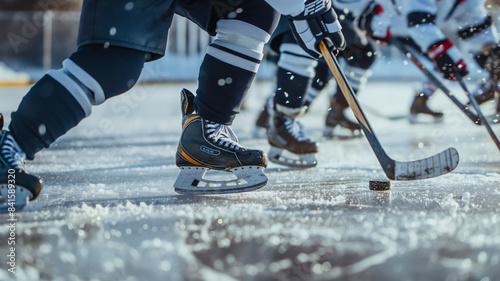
x=433, y=166
x=411, y=54
x=460, y=80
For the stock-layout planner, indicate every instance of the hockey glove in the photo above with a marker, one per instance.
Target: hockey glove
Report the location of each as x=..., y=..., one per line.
x=317, y=22
x=448, y=59
x=375, y=23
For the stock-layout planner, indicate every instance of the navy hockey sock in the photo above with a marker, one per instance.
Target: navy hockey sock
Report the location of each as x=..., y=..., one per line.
x=322, y=76
x=62, y=98
x=229, y=68
x=45, y=113
x=295, y=72
x=221, y=92
x=116, y=69
x=291, y=89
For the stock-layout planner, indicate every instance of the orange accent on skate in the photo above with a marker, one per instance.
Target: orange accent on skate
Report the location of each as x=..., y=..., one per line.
x=189, y=120
x=184, y=154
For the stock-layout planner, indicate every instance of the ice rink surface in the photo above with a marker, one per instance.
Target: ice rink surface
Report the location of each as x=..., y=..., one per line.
x=108, y=210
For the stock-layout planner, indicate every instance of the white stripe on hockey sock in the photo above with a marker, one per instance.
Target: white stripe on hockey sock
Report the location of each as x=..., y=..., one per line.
x=294, y=59
x=86, y=80
x=72, y=87
x=241, y=38
x=233, y=60
x=357, y=76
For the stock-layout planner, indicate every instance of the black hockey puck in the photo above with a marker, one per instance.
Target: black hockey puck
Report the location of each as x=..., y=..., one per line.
x=380, y=185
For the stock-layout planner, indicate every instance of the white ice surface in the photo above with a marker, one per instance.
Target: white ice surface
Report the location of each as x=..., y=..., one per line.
x=108, y=210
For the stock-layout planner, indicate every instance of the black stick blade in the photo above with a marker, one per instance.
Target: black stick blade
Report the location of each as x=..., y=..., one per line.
x=437, y=165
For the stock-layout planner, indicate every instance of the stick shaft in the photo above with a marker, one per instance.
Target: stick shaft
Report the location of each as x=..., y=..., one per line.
x=350, y=96
x=433, y=166
x=413, y=57
x=478, y=110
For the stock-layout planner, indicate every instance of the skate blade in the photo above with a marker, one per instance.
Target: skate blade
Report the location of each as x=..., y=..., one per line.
x=341, y=133
x=192, y=180
x=19, y=198
x=286, y=158
x=424, y=119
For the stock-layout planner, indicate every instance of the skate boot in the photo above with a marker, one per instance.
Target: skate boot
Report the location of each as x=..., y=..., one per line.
x=484, y=93
x=419, y=107
x=495, y=119
x=289, y=146
x=206, y=145
x=484, y=96
x=262, y=123
x=16, y=186
x=337, y=125
x=492, y=64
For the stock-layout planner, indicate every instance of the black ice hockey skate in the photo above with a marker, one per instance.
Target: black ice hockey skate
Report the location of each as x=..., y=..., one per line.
x=17, y=187
x=484, y=96
x=419, y=107
x=206, y=145
x=485, y=93
x=263, y=121
x=337, y=124
x=285, y=134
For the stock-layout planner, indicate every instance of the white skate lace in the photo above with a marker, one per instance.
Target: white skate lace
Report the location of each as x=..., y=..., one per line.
x=294, y=127
x=222, y=135
x=12, y=153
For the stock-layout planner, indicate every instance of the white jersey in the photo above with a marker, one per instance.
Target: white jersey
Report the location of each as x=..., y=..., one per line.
x=432, y=21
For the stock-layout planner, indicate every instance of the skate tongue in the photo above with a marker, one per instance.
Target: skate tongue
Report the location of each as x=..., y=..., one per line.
x=295, y=128
x=223, y=134
x=187, y=102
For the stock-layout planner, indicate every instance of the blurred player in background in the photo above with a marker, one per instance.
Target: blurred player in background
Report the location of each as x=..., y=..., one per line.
x=446, y=32
x=300, y=78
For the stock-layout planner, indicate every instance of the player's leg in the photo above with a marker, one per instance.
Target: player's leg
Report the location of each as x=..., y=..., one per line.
x=108, y=62
x=61, y=99
x=420, y=105
x=263, y=121
x=336, y=116
x=479, y=38
x=264, y=118
x=321, y=80
x=241, y=29
x=359, y=55
x=294, y=77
